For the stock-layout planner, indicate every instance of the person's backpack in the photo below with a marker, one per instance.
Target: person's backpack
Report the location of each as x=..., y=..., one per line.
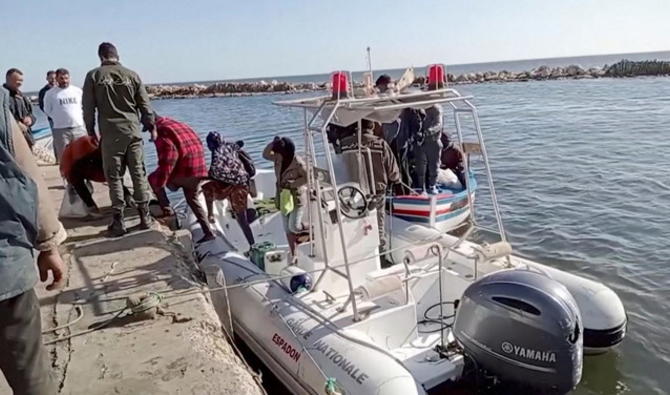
x=247, y=162
x=411, y=126
x=226, y=165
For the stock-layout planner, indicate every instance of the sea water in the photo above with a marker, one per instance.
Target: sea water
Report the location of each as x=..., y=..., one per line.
x=582, y=171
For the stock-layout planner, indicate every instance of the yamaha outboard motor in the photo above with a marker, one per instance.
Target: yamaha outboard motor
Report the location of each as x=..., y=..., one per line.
x=524, y=328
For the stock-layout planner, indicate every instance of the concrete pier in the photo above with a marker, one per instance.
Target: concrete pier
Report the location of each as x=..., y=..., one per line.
x=180, y=350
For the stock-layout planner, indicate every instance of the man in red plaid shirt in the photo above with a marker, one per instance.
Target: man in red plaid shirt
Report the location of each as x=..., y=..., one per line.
x=181, y=164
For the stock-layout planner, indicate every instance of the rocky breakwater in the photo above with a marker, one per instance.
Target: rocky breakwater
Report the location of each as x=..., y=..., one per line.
x=219, y=89
x=624, y=68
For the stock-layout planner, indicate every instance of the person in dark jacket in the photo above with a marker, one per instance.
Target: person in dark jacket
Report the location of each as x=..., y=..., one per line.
x=389, y=130
x=385, y=170
x=118, y=95
x=51, y=82
x=428, y=143
x=452, y=158
x=427, y=147
x=28, y=223
x=411, y=121
x=19, y=105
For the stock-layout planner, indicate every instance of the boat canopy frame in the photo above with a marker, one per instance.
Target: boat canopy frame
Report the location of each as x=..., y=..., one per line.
x=325, y=108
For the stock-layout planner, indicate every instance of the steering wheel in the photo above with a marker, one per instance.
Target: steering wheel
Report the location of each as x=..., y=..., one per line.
x=353, y=202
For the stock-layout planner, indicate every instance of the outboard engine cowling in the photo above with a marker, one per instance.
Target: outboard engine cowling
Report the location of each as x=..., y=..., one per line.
x=522, y=327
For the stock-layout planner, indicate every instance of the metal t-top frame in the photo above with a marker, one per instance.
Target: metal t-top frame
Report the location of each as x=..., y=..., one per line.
x=325, y=108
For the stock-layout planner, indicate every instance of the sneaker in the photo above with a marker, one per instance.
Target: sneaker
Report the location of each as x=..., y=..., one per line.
x=433, y=190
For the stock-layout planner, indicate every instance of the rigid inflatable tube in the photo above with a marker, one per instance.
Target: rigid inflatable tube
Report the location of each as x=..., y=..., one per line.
x=603, y=314
x=316, y=316
x=299, y=305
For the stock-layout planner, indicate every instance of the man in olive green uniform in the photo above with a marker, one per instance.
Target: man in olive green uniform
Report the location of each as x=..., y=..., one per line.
x=119, y=96
x=385, y=171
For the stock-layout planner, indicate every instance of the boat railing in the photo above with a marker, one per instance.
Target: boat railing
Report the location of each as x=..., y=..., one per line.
x=333, y=182
x=375, y=104
x=324, y=109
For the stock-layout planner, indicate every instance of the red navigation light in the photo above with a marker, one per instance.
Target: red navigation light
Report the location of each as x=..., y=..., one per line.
x=340, y=82
x=436, y=74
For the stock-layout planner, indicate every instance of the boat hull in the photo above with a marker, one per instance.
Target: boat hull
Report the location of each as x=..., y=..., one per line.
x=303, y=349
x=603, y=313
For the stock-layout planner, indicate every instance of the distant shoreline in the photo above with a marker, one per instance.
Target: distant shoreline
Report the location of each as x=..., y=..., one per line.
x=621, y=69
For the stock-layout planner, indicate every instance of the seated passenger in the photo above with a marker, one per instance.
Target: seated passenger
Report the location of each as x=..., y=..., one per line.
x=228, y=180
x=385, y=170
x=291, y=184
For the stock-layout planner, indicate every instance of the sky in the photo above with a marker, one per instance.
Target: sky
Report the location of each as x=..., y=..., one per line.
x=200, y=40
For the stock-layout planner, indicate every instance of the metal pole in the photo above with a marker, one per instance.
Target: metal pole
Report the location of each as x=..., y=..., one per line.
x=467, y=164
x=310, y=184
x=331, y=170
x=373, y=185
x=439, y=278
x=494, y=197
x=317, y=185
x=361, y=169
x=370, y=64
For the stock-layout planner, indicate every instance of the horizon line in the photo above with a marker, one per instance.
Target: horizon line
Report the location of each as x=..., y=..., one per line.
x=402, y=67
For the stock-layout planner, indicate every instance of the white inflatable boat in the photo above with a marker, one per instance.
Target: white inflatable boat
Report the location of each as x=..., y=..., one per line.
x=334, y=321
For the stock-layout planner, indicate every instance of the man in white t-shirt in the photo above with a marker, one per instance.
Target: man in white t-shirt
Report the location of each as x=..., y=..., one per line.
x=62, y=104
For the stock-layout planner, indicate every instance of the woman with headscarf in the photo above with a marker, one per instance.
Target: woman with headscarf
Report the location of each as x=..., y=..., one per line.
x=228, y=180
x=291, y=180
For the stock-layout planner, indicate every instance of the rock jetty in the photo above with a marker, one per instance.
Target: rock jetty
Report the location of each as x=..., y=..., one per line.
x=230, y=89
x=623, y=68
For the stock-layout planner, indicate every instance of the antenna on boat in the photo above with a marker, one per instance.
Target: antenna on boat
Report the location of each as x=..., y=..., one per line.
x=369, y=62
